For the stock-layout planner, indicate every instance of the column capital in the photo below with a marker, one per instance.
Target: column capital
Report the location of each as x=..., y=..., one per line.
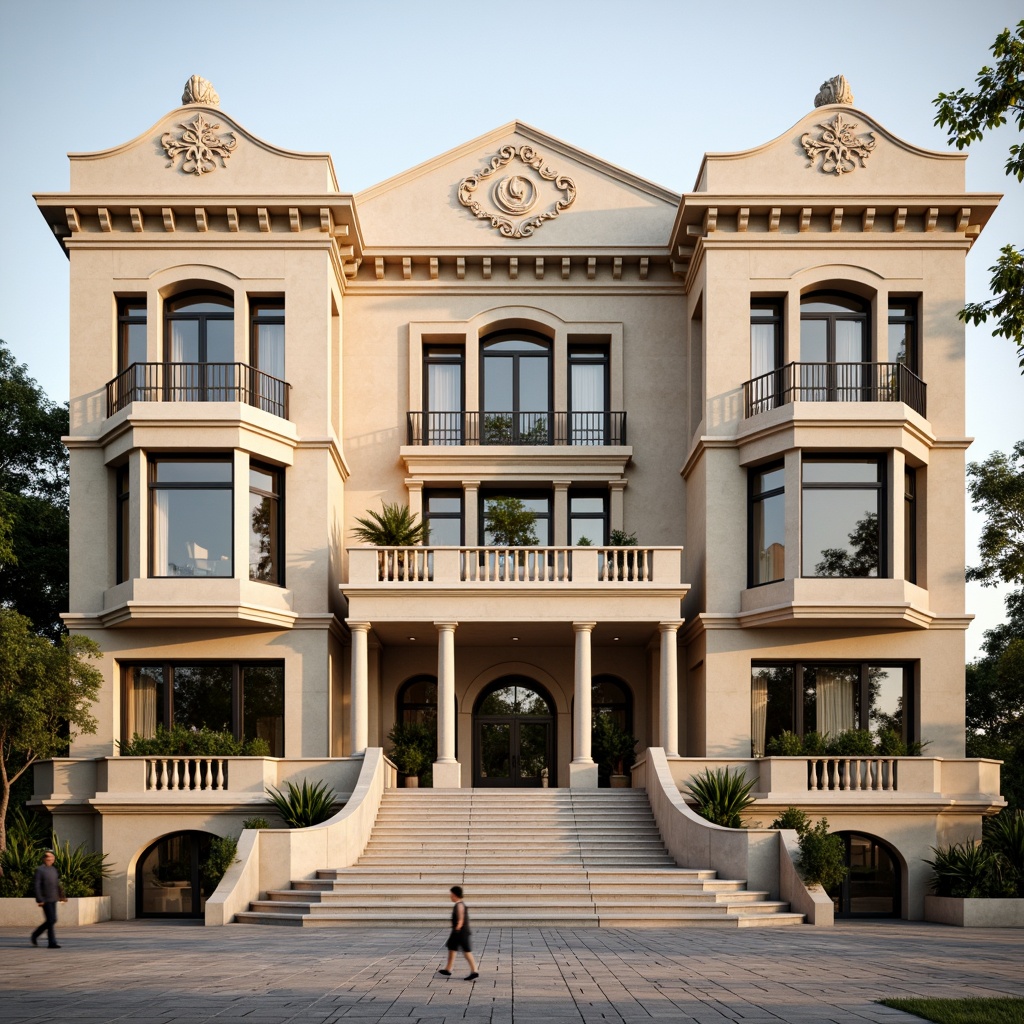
x=471, y=485
x=561, y=485
x=443, y=626
x=670, y=626
x=413, y=484
x=617, y=485
x=583, y=627
x=356, y=626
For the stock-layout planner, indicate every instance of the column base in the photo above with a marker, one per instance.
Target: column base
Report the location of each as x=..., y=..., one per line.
x=447, y=775
x=582, y=776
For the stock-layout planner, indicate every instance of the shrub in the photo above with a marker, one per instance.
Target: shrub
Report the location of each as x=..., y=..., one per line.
x=787, y=744
x=222, y=855
x=81, y=871
x=794, y=818
x=1004, y=836
x=822, y=856
x=305, y=806
x=19, y=862
x=722, y=796
x=891, y=743
x=963, y=869
x=413, y=747
x=613, y=747
x=179, y=741
x=851, y=743
x=256, y=823
x=814, y=743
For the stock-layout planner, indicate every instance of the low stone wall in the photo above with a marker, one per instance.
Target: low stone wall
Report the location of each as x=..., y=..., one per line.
x=974, y=913
x=24, y=912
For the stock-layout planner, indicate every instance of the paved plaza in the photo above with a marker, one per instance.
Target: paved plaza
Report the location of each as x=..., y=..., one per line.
x=170, y=972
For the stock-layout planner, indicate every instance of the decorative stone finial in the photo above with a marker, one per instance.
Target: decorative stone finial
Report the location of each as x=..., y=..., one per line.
x=199, y=90
x=835, y=90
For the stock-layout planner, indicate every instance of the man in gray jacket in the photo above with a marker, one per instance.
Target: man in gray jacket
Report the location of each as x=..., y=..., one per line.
x=48, y=892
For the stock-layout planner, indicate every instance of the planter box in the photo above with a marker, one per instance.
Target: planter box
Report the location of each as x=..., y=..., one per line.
x=24, y=912
x=967, y=913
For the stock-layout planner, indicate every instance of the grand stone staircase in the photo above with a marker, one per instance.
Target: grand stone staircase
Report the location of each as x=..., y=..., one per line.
x=552, y=858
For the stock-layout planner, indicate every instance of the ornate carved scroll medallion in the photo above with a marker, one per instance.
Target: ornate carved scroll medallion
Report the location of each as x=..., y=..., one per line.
x=838, y=146
x=513, y=198
x=199, y=146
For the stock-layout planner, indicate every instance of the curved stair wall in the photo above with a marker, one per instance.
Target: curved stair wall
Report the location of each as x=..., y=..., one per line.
x=271, y=858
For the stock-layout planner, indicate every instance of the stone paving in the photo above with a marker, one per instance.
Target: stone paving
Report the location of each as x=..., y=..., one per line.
x=171, y=972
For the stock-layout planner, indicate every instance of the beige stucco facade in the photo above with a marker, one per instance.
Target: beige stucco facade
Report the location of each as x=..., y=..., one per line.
x=585, y=261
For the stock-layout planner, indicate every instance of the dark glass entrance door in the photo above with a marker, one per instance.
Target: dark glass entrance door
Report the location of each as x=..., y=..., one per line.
x=513, y=735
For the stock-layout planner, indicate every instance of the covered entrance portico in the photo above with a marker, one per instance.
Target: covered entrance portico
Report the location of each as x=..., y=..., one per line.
x=514, y=726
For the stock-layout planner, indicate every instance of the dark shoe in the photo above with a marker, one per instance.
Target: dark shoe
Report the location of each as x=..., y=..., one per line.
x=441, y=970
x=473, y=976
x=33, y=940
x=53, y=945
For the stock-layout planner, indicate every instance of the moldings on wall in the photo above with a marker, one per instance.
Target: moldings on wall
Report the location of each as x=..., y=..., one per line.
x=198, y=145
x=514, y=196
x=838, y=145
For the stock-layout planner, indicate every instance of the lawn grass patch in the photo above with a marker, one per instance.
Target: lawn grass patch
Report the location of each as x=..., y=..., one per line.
x=962, y=1011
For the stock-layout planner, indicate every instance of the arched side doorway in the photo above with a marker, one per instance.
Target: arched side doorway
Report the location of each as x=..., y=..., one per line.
x=873, y=881
x=513, y=734
x=170, y=880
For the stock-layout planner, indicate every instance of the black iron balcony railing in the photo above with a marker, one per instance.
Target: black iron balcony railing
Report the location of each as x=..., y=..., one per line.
x=198, y=382
x=834, y=382
x=506, y=428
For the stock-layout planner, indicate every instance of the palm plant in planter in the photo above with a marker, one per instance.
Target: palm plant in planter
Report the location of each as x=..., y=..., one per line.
x=395, y=526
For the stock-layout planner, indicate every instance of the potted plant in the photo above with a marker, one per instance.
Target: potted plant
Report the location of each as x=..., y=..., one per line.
x=613, y=749
x=412, y=750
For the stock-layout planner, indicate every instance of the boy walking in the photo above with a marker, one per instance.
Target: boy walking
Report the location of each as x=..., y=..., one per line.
x=459, y=937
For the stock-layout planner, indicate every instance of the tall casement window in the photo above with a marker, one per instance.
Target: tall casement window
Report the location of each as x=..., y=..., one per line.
x=767, y=524
x=123, y=520
x=516, y=375
x=903, y=333
x=588, y=395
x=910, y=525
x=765, y=355
x=442, y=512
x=199, y=348
x=266, y=355
x=829, y=698
x=131, y=333
x=833, y=347
x=266, y=524
x=444, y=394
x=190, y=517
x=493, y=511
x=842, y=522
x=588, y=517
x=244, y=698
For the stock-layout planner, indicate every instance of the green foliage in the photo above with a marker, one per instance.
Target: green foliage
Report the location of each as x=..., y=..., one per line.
x=46, y=691
x=621, y=539
x=257, y=822
x=413, y=747
x=33, y=499
x=962, y=1011
x=303, y=806
x=1003, y=835
x=181, y=742
x=81, y=870
x=501, y=428
x=822, y=856
x=794, y=818
x=393, y=526
x=996, y=487
x=851, y=743
x=966, y=117
x=611, y=746
x=722, y=795
x=964, y=869
x=786, y=744
x=222, y=855
x=509, y=522
x=814, y=743
x=861, y=559
x=584, y=542
x=26, y=837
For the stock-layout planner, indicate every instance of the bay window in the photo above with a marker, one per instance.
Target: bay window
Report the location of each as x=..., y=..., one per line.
x=767, y=530
x=265, y=524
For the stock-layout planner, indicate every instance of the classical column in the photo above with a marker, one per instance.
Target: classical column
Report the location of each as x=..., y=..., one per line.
x=669, y=688
x=470, y=513
x=582, y=770
x=447, y=770
x=360, y=685
x=560, y=527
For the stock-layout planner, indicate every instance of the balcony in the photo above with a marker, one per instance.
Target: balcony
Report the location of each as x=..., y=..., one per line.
x=834, y=382
x=550, y=428
x=198, y=382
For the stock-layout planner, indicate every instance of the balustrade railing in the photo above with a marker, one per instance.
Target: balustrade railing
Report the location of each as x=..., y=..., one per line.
x=186, y=773
x=854, y=774
x=198, y=382
x=834, y=382
x=544, y=428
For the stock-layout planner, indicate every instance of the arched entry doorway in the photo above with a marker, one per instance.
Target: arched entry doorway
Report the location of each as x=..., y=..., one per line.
x=873, y=883
x=513, y=734
x=170, y=877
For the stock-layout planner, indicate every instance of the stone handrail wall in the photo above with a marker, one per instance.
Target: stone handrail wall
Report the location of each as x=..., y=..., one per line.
x=271, y=858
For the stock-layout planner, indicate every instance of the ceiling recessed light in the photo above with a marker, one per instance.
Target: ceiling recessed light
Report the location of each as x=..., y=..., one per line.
x=412, y=638
x=515, y=638
x=615, y=638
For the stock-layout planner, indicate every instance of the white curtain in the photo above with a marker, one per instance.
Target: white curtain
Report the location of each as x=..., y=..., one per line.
x=588, y=403
x=270, y=360
x=849, y=349
x=142, y=705
x=758, y=713
x=160, y=529
x=762, y=360
x=444, y=396
x=835, y=700
x=184, y=383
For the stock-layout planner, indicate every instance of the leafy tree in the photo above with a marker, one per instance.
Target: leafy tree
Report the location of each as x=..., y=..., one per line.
x=861, y=559
x=510, y=523
x=966, y=117
x=33, y=499
x=46, y=690
x=997, y=491
x=393, y=526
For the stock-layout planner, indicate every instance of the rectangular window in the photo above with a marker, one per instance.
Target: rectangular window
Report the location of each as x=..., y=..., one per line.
x=841, y=521
x=443, y=394
x=266, y=524
x=588, y=395
x=910, y=525
x=131, y=332
x=765, y=389
x=767, y=525
x=588, y=518
x=771, y=704
x=442, y=511
x=508, y=516
x=268, y=387
x=245, y=699
x=903, y=333
x=190, y=517
x=123, y=523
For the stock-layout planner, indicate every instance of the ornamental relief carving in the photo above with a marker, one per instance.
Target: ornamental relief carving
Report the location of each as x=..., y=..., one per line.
x=514, y=203
x=838, y=145
x=199, y=146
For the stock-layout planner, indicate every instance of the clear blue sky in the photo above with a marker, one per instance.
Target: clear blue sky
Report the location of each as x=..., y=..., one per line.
x=384, y=85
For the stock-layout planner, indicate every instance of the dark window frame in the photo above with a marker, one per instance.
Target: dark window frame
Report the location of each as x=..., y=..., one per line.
x=277, y=472
x=525, y=493
x=131, y=312
x=122, y=519
x=519, y=429
x=171, y=314
x=838, y=298
x=754, y=498
x=445, y=492
x=583, y=492
x=903, y=311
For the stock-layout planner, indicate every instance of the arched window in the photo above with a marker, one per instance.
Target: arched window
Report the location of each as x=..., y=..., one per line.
x=609, y=695
x=833, y=347
x=199, y=348
x=417, y=702
x=516, y=388
x=172, y=878
x=873, y=882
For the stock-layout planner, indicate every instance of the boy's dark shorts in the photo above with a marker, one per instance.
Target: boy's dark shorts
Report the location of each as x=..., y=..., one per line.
x=459, y=940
